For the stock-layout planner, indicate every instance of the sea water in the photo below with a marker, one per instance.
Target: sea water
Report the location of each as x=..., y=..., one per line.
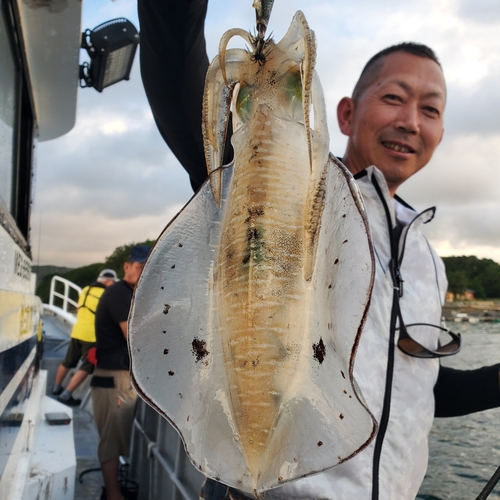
x=464, y=452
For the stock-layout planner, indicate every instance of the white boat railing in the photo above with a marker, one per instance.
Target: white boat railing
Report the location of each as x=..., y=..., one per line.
x=65, y=296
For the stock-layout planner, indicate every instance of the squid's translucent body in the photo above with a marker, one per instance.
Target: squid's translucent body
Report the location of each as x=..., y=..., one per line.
x=249, y=310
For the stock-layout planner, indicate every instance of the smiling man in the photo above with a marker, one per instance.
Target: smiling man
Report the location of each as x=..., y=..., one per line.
x=394, y=122
x=395, y=117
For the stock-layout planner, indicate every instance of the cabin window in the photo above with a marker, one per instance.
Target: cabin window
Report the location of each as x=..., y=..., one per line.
x=8, y=113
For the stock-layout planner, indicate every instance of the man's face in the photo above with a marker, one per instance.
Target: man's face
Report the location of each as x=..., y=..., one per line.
x=398, y=121
x=132, y=272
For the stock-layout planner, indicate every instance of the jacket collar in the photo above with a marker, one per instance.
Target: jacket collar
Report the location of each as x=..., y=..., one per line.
x=398, y=208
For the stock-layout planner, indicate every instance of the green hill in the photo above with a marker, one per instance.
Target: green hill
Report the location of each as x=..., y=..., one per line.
x=42, y=271
x=470, y=273
x=463, y=272
x=83, y=276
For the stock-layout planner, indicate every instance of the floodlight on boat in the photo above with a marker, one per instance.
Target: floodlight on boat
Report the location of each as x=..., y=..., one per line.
x=111, y=47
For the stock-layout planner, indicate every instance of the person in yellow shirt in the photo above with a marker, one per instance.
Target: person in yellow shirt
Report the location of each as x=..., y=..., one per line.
x=82, y=339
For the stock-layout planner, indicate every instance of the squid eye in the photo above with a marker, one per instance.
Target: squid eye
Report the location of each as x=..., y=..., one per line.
x=244, y=103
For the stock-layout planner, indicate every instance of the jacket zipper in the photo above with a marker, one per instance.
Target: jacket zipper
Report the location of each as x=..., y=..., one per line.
x=397, y=293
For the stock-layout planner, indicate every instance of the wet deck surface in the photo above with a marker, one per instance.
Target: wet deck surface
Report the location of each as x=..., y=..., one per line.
x=86, y=441
x=84, y=428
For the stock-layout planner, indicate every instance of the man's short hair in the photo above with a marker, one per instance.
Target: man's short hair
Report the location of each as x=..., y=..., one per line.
x=374, y=65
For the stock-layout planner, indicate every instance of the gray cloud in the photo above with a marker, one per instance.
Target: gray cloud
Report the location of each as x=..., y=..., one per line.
x=113, y=180
x=480, y=11
x=123, y=173
x=474, y=110
x=456, y=229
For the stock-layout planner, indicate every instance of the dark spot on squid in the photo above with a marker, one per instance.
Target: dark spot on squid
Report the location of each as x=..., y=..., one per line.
x=164, y=331
x=320, y=443
x=199, y=467
x=345, y=392
x=199, y=349
x=336, y=261
x=162, y=288
x=350, y=396
x=138, y=350
x=342, y=373
x=180, y=395
x=341, y=416
x=345, y=241
x=319, y=351
x=280, y=479
x=329, y=286
x=171, y=373
x=255, y=362
x=295, y=460
x=252, y=234
x=187, y=418
x=329, y=326
x=165, y=351
x=344, y=216
x=173, y=267
x=180, y=244
x=166, y=308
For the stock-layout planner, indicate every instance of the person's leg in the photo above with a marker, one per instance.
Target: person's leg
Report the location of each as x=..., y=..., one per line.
x=105, y=404
x=110, y=475
x=61, y=373
x=85, y=369
x=76, y=380
x=70, y=361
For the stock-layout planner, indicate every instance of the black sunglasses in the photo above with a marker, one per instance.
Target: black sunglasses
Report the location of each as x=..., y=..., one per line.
x=411, y=347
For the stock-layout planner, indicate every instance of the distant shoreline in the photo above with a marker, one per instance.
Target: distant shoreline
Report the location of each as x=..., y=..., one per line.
x=472, y=310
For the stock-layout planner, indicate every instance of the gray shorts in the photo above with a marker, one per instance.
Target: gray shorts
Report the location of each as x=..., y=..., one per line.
x=78, y=349
x=113, y=402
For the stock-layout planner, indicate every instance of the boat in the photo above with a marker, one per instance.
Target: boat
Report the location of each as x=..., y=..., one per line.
x=39, y=53
x=40, y=44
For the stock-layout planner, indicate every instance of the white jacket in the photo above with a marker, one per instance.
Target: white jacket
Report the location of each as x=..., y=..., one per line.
x=404, y=445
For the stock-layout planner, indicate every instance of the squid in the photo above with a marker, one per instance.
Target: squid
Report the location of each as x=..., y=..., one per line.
x=246, y=319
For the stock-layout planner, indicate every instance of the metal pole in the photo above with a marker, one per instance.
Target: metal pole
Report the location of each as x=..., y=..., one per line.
x=489, y=485
x=153, y=450
x=52, y=290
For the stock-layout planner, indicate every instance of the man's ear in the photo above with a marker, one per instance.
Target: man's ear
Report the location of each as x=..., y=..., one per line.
x=345, y=115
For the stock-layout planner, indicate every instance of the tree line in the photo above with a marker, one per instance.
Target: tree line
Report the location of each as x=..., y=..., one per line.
x=83, y=276
x=463, y=272
x=470, y=273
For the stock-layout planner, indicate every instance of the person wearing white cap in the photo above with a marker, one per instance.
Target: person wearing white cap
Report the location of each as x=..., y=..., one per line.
x=82, y=339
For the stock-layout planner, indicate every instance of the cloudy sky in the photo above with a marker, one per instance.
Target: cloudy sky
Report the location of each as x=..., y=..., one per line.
x=112, y=180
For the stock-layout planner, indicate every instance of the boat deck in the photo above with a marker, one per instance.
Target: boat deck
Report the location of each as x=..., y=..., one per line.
x=85, y=431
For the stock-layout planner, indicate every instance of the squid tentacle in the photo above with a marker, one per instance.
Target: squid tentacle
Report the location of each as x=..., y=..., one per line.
x=215, y=114
x=223, y=47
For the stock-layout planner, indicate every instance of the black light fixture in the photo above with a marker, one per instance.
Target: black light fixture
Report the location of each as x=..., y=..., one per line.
x=111, y=47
